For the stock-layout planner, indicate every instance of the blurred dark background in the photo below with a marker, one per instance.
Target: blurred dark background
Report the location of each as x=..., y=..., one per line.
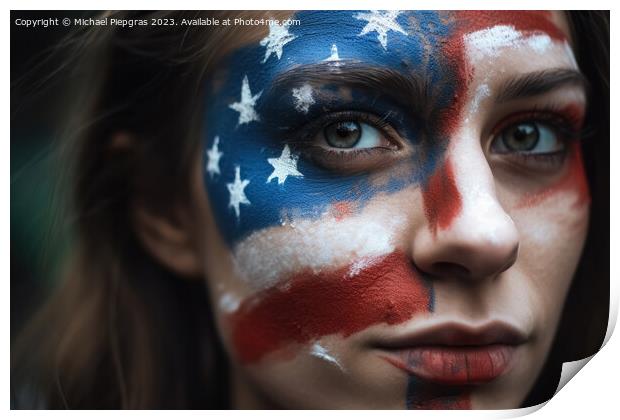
x=35, y=111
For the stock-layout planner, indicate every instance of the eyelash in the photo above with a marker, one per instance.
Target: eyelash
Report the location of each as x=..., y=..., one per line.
x=321, y=122
x=554, y=115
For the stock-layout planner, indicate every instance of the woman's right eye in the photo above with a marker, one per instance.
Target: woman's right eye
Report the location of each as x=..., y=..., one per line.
x=352, y=135
x=351, y=141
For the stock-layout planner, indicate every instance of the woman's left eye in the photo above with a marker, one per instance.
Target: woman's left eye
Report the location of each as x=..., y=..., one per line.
x=530, y=137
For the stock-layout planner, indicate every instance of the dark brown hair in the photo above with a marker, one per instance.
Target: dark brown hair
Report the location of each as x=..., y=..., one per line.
x=120, y=331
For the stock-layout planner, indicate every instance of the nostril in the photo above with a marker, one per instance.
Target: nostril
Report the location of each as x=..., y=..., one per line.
x=468, y=266
x=450, y=269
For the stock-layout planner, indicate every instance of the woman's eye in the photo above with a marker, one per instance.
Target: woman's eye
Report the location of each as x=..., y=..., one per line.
x=528, y=138
x=353, y=142
x=352, y=134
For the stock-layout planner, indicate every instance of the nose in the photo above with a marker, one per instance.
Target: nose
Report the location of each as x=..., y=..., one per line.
x=467, y=233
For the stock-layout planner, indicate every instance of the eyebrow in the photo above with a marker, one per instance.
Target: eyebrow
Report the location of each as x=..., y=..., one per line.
x=410, y=90
x=540, y=82
x=415, y=92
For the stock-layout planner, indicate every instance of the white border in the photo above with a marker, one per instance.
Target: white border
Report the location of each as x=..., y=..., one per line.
x=592, y=394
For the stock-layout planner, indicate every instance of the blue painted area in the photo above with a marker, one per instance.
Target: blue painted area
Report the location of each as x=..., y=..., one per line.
x=425, y=395
x=250, y=145
x=431, y=297
x=411, y=395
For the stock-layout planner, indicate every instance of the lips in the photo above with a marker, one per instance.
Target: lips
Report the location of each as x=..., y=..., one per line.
x=455, y=354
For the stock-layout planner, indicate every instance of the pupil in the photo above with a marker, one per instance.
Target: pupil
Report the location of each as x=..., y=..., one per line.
x=343, y=134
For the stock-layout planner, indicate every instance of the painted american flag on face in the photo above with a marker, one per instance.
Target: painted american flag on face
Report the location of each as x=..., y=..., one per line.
x=252, y=159
x=313, y=243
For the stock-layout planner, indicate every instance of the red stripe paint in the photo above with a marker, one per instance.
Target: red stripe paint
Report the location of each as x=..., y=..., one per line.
x=310, y=306
x=442, y=200
x=573, y=180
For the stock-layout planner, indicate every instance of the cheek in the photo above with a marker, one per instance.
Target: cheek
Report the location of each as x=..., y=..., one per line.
x=555, y=239
x=553, y=217
x=553, y=227
x=334, y=276
x=552, y=238
x=342, y=301
x=553, y=222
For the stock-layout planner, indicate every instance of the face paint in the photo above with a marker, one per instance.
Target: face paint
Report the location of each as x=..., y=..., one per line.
x=255, y=119
x=343, y=301
x=273, y=187
x=302, y=239
x=574, y=181
x=479, y=36
x=475, y=36
x=316, y=245
x=322, y=353
x=303, y=98
x=442, y=200
x=424, y=396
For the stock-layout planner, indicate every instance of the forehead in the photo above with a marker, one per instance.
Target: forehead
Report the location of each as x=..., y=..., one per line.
x=449, y=50
x=396, y=39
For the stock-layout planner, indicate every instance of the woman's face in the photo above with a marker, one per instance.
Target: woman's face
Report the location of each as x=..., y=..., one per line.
x=392, y=206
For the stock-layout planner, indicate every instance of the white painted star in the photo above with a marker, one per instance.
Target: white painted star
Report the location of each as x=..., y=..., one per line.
x=214, y=155
x=245, y=107
x=237, y=195
x=380, y=22
x=275, y=41
x=303, y=98
x=334, y=54
x=284, y=166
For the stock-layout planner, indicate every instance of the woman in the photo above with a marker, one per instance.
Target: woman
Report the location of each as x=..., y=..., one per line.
x=387, y=208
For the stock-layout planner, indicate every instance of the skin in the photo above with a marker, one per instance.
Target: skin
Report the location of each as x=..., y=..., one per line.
x=499, y=240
